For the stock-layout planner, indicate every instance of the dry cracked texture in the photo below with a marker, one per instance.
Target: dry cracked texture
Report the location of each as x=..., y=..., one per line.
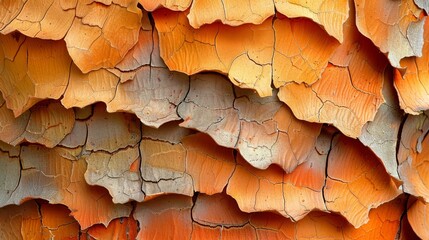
x=208, y=159
x=56, y=175
x=292, y=195
x=394, y=27
x=101, y=35
x=119, y=130
x=163, y=169
x=260, y=49
x=298, y=56
x=412, y=156
x=260, y=128
x=196, y=164
x=356, y=181
x=349, y=92
x=218, y=217
x=31, y=70
x=140, y=84
x=229, y=12
x=173, y=211
x=118, y=172
x=208, y=217
x=57, y=223
x=216, y=47
x=412, y=86
x=11, y=127
x=209, y=169
x=47, y=123
x=98, y=35
x=384, y=223
x=153, y=95
x=155, y=167
x=38, y=19
x=38, y=220
x=102, y=84
x=199, y=165
x=331, y=14
x=381, y=135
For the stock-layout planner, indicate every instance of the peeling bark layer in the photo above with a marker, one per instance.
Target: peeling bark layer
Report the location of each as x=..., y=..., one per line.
x=223, y=119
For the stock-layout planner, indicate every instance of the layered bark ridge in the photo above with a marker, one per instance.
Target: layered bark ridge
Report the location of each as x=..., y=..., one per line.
x=223, y=119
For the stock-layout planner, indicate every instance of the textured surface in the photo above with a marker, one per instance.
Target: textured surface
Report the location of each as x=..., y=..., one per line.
x=223, y=119
x=393, y=26
x=349, y=91
x=331, y=14
x=412, y=86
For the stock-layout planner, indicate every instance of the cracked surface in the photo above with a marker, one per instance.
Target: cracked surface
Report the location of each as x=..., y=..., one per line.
x=412, y=86
x=412, y=156
x=20, y=222
x=349, y=92
x=57, y=175
x=330, y=14
x=174, y=211
x=229, y=12
x=89, y=28
x=119, y=130
x=57, y=223
x=163, y=169
x=393, y=26
x=31, y=70
x=209, y=165
x=195, y=164
x=11, y=127
x=198, y=220
x=191, y=50
x=117, y=172
x=46, y=123
x=263, y=50
x=234, y=117
x=356, y=181
x=38, y=220
x=293, y=195
x=38, y=19
x=97, y=28
x=100, y=138
x=140, y=84
x=153, y=95
x=381, y=135
x=298, y=56
x=85, y=89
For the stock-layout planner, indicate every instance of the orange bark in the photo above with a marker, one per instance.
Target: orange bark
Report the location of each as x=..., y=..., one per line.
x=412, y=85
x=392, y=26
x=223, y=119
